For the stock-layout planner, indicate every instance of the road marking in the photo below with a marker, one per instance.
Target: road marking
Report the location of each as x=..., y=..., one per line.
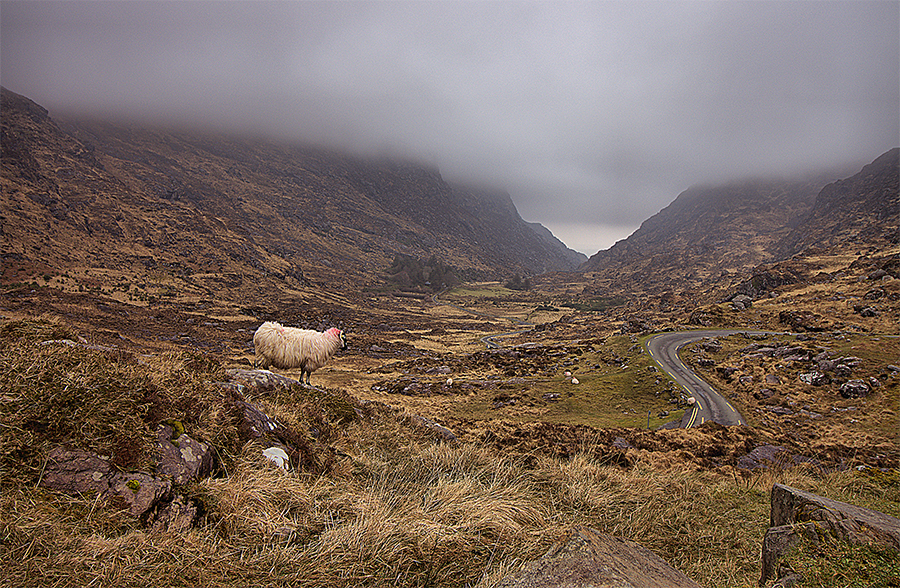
x=696, y=408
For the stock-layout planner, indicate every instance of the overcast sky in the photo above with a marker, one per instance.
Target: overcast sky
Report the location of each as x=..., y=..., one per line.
x=592, y=115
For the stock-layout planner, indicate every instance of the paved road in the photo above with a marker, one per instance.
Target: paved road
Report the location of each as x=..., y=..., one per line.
x=489, y=340
x=709, y=405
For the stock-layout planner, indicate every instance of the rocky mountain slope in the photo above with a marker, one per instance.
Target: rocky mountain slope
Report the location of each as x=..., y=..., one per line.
x=708, y=233
x=223, y=214
x=862, y=208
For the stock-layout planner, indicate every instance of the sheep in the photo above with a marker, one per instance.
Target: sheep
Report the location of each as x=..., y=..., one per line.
x=289, y=347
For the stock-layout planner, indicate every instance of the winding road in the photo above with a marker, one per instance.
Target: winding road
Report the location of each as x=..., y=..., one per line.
x=709, y=405
x=490, y=341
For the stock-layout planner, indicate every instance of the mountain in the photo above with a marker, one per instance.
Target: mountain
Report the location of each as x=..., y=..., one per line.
x=575, y=257
x=709, y=232
x=229, y=214
x=864, y=207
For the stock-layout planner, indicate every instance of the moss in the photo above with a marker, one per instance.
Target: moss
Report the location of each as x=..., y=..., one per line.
x=133, y=485
x=177, y=429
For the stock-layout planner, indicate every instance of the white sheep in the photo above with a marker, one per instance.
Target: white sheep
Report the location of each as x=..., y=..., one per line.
x=289, y=347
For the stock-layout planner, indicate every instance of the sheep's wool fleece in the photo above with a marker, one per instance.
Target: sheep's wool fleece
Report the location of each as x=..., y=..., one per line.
x=290, y=347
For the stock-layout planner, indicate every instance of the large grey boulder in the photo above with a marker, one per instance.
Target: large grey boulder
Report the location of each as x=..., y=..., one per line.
x=797, y=514
x=590, y=559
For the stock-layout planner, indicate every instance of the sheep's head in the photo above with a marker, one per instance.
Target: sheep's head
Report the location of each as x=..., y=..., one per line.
x=338, y=334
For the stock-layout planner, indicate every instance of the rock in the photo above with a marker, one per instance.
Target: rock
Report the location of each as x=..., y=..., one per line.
x=854, y=389
x=259, y=382
x=780, y=410
x=793, y=353
x=77, y=472
x=590, y=558
x=853, y=524
x=443, y=433
x=798, y=515
x=866, y=311
x=766, y=456
x=144, y=496
x=772, y=379
x=842, y=370
x=726, y=372
x=825, y=365
x=711, y=345
x=256, y=423
x=636, y=325
x=764, y=393
x=621, y=443
x=801, y=320
x=182, y=458
x=778, y=543
x=141, y=492
x=815, y=378
x=741, y=302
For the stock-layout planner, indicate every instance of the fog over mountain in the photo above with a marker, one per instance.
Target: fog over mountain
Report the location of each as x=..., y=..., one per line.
x=592, y=115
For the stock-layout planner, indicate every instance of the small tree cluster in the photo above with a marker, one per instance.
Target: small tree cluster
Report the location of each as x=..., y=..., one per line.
x=518, y=283
x=408, y=271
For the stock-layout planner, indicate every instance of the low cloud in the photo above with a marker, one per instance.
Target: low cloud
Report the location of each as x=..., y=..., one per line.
x=593, y=115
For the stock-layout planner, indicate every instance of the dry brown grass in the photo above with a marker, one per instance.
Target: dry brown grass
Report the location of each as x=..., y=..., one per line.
x=396, y=508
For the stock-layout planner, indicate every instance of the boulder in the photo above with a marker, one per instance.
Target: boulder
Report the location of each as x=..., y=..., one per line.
x=711, y=345
x=259, y=382
x=141, y=492
x=815, y=378
x=74, y=471
x=802, y=320
x=842, y=370
x=797, y=514
x=772, y=456
x=590, y=558
x=741, y=302
x=439, y=431
x=855, y=389
x=780, y=541
x=847, y=522
x=181, y=457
